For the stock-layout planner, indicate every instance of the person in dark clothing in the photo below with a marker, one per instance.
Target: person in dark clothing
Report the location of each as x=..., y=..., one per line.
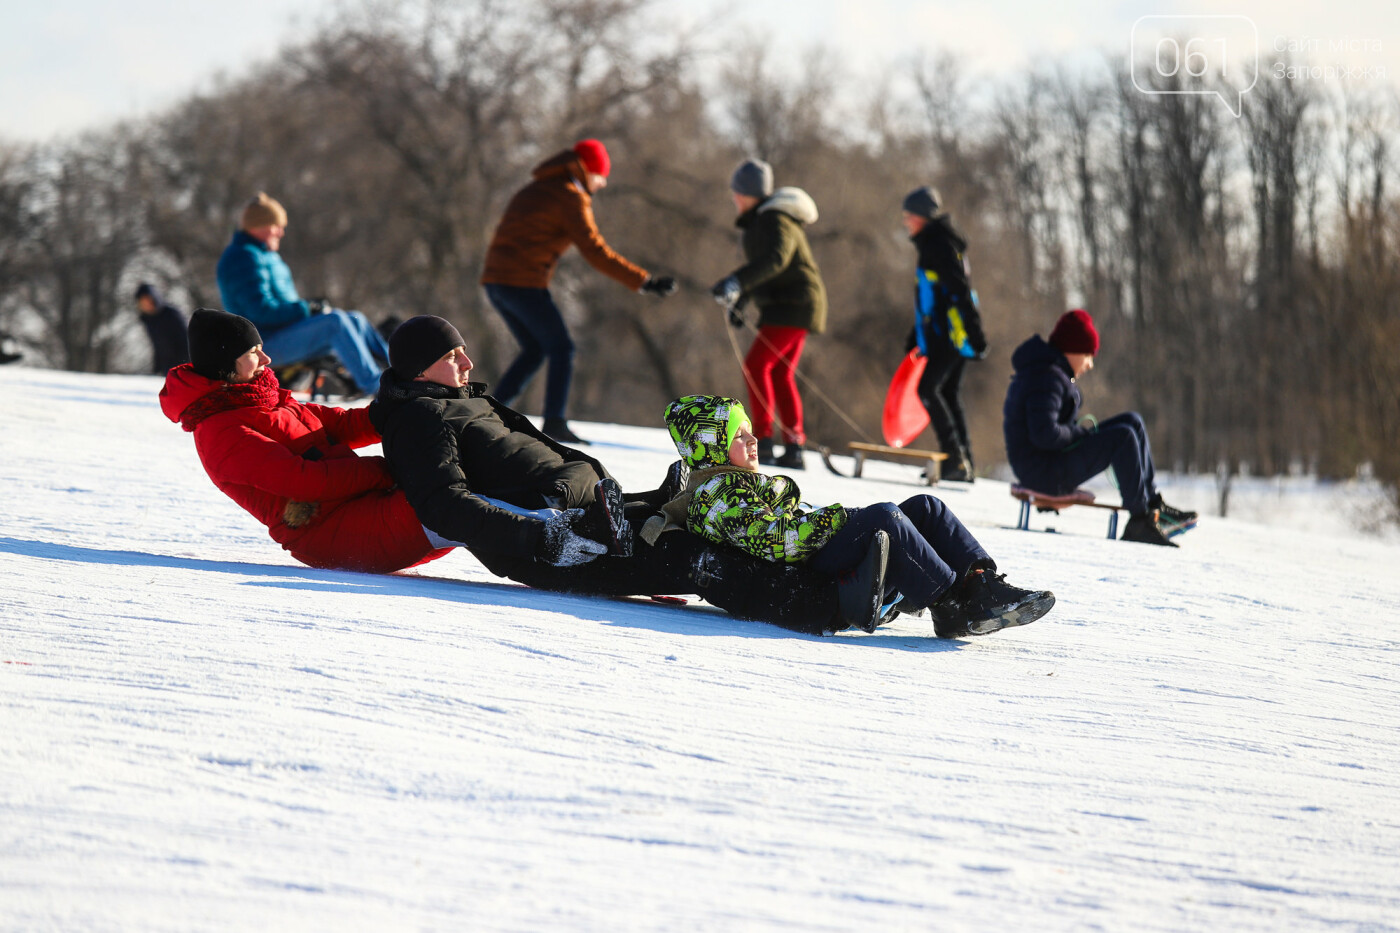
x=947, y=326
x=165, y=326
x=481, y=476
x=1052, y=452
x=9, y=352
x=542, y=220
x=781, y=276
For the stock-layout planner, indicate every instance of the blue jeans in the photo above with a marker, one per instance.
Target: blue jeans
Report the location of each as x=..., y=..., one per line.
x=346, y=335
x=930, y=549
x=533, y=318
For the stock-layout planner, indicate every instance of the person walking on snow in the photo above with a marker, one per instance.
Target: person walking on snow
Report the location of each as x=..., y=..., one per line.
x=932, y=561
x=255, y=283
x=1050, y=451
x=783, y=280
x=165, y=327
x=947, y=326
x=542, y=220
x=289, y=465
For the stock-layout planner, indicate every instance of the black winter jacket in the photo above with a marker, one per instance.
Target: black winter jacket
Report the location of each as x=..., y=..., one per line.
x=1042, y=405
x=447, y=447
x=168, y=333
x=942, y=285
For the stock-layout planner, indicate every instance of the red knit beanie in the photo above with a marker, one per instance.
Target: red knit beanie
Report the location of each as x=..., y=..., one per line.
x=1074, y=333
x=594, y=156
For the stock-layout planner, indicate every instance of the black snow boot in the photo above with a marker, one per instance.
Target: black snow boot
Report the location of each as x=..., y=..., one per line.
x=983, y=602
x=1170, y=514
x=957, y=468
x=603, y=520
x=558, y=429
x=861, y=590
x=1143, y=528
x=766, y=457
x=791, y=458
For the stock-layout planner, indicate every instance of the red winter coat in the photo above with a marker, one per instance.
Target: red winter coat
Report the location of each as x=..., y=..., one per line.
x=291, y=467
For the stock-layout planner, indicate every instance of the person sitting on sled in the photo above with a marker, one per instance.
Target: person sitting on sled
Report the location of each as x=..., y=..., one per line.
x=1052, y=452
x=482, y=476
x=931, y=560
x=291, y=466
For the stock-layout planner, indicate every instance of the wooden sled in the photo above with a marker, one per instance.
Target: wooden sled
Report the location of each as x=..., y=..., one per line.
x=1045, y=502
x=931, y=458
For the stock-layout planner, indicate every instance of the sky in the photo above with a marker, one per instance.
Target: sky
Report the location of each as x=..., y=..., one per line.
x=70, y=65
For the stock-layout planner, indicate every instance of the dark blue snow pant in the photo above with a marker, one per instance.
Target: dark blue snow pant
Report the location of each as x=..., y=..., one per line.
x=1120, y=442
x=930, y=549
x=534, y=319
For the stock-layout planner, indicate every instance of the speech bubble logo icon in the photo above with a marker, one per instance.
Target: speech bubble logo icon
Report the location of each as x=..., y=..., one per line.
x=1203, y=55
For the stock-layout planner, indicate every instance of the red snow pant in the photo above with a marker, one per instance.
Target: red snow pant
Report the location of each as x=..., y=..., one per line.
x=770, y=370
x=376, y=532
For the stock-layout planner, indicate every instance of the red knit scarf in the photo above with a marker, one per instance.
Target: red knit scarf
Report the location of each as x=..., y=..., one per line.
x=262, y=392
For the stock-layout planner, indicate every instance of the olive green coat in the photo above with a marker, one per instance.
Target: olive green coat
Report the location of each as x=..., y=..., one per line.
x=780, y=275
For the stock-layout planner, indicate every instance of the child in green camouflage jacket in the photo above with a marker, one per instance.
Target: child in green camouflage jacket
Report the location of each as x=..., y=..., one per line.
x=933, y=562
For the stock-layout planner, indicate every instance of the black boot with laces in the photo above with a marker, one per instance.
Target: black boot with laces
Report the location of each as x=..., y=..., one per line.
x=983, y=602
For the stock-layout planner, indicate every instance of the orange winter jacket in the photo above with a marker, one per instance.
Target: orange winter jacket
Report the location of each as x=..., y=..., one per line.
x=543, y=220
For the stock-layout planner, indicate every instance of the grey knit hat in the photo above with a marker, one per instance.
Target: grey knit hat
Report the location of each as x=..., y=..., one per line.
x=753, y=178
x=924, y=202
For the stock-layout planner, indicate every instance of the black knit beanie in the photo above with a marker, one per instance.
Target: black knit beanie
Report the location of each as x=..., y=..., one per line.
x=923, y=202
x=419, y=342
x=217, y=340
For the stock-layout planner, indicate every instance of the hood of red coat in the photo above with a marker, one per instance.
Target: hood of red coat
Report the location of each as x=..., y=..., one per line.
x=184, y=387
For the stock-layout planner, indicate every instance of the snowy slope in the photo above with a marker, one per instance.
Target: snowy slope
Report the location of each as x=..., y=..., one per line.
x=197, y=733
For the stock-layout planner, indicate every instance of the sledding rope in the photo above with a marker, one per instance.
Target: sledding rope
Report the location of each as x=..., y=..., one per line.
x=807, y=383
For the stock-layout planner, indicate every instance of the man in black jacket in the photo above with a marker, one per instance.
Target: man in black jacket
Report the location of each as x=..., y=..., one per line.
x=1051, y=452
x=480, y=475
x=947, y=327
x=165, y=326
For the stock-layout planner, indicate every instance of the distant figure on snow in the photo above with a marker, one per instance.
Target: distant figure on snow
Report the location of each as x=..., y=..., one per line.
x=165, y=327
x=9, y=350
x=1052, y=452
x=289, y=465
x=255, y=283
x=947, y=326
x=925, y=557
x=781, y=277
x=542, y=220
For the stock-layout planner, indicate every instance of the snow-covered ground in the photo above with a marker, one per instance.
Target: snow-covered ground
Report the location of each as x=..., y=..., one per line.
x=196, y=733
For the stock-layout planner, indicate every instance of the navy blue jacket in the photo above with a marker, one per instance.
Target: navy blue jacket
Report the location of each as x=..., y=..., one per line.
x=1039, y=419
x=168, y=333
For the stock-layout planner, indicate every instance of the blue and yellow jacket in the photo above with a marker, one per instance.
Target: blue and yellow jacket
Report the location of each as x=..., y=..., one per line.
x=945, y=305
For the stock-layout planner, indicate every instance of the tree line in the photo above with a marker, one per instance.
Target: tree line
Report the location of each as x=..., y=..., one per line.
x=1243, y=272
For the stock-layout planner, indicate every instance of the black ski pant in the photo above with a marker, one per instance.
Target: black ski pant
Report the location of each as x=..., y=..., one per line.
x=930, y=549
x=940, y=389
x=793, y=596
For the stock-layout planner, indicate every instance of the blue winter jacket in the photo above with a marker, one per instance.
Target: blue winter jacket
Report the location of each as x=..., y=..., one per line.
x=255, y=283
x=1039, y=419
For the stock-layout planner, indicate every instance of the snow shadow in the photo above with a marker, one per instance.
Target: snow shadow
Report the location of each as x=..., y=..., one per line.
x=625, y=612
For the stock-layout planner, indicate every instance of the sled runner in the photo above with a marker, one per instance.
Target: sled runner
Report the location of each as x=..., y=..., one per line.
x=1045, y=502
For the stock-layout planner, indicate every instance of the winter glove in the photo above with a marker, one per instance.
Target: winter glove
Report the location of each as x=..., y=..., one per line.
x=727, y=291
x=317, y=306
x=561, y=546
x=661, y=285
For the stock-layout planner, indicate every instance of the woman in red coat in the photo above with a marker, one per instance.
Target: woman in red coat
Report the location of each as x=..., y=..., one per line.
x=291, y=466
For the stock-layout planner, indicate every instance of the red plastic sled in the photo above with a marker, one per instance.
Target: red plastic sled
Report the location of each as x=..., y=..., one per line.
x=905, y=416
